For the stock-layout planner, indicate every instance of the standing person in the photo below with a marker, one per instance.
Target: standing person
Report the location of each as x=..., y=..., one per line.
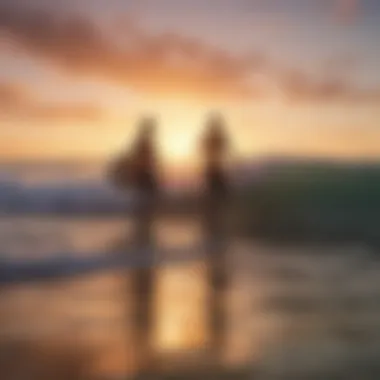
x=215, y=146
x=145, y=181
x=138, y=170
x=144, y=178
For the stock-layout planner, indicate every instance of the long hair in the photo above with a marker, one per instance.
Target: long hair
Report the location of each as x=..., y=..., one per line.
x=146, y=128
x=215, y=140
x=215, y=126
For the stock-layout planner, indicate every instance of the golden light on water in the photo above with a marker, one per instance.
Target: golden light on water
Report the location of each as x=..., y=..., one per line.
x=181, y=309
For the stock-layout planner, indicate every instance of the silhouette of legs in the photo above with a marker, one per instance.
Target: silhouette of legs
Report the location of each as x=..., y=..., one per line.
x=143, y=286
x=214, y=213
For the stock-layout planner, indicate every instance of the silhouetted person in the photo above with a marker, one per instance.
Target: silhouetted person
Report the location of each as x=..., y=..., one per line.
x=145, y=180
x=138, y=170
x=215, y=147
x=145, y=157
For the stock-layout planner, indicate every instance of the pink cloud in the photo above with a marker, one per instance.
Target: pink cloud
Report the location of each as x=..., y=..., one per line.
x=346, y=11
x=18, y=102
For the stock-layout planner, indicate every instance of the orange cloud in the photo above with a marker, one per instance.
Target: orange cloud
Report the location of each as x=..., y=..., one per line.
x=163, y=64
x=17, y=102
x=168, y=64
x=305, y=88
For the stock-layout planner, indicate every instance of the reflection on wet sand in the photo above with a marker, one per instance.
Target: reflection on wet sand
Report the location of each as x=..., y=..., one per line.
x=181, y=307
x=172, y=306
x=290, y=312
x=164, y=309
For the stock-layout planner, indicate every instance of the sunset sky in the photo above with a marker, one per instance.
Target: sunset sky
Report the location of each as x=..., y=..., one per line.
x=294, y=77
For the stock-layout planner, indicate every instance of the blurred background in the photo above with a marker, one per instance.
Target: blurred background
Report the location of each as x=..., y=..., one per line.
x=298, y=85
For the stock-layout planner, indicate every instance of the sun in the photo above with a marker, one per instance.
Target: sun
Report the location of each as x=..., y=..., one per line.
x=180, y=132
x=179, y=147
x=179, y=127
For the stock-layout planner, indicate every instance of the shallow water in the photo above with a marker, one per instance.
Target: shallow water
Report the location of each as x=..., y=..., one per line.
x=294, y=312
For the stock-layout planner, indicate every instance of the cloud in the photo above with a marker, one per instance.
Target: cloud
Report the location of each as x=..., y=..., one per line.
x=18, y=102
x=300, y=88
x=164, y=64
x=341, y=64
x=160, y=64
x=11, y=96
x=346, y=11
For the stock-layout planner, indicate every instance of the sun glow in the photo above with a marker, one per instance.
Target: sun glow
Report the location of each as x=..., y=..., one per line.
x=179, y=147
x=179, y=130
